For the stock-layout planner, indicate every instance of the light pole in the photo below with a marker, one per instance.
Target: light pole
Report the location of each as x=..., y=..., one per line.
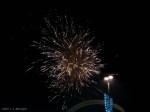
x=108, y=78
x=108, y=101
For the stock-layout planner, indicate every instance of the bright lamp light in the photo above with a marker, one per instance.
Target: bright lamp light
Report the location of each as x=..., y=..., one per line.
x=110, y=77
x=106, y=78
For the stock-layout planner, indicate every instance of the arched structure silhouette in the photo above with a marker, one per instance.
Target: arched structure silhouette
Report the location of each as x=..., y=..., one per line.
x=93, y=102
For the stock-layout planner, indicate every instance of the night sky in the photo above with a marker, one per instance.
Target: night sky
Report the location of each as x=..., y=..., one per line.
x=116, y=28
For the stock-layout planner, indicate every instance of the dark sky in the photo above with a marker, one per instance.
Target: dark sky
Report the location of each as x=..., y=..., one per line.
x=118, y=28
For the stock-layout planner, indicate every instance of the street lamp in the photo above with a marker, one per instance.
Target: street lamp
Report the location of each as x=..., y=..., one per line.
x=108, y=101
x=108, y=78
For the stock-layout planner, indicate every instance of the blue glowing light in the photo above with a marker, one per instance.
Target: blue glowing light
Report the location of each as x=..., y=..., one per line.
x=108, y=101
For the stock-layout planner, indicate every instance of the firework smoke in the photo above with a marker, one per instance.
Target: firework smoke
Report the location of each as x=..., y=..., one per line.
x=69, y=59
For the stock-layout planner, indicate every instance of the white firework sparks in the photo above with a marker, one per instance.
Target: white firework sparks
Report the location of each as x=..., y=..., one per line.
x=69, y=59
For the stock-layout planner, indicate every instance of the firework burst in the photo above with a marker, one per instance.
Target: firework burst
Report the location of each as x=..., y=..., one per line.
x=69, y=59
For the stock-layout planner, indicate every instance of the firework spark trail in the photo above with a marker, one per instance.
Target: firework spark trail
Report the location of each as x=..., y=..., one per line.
x=69, y=59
